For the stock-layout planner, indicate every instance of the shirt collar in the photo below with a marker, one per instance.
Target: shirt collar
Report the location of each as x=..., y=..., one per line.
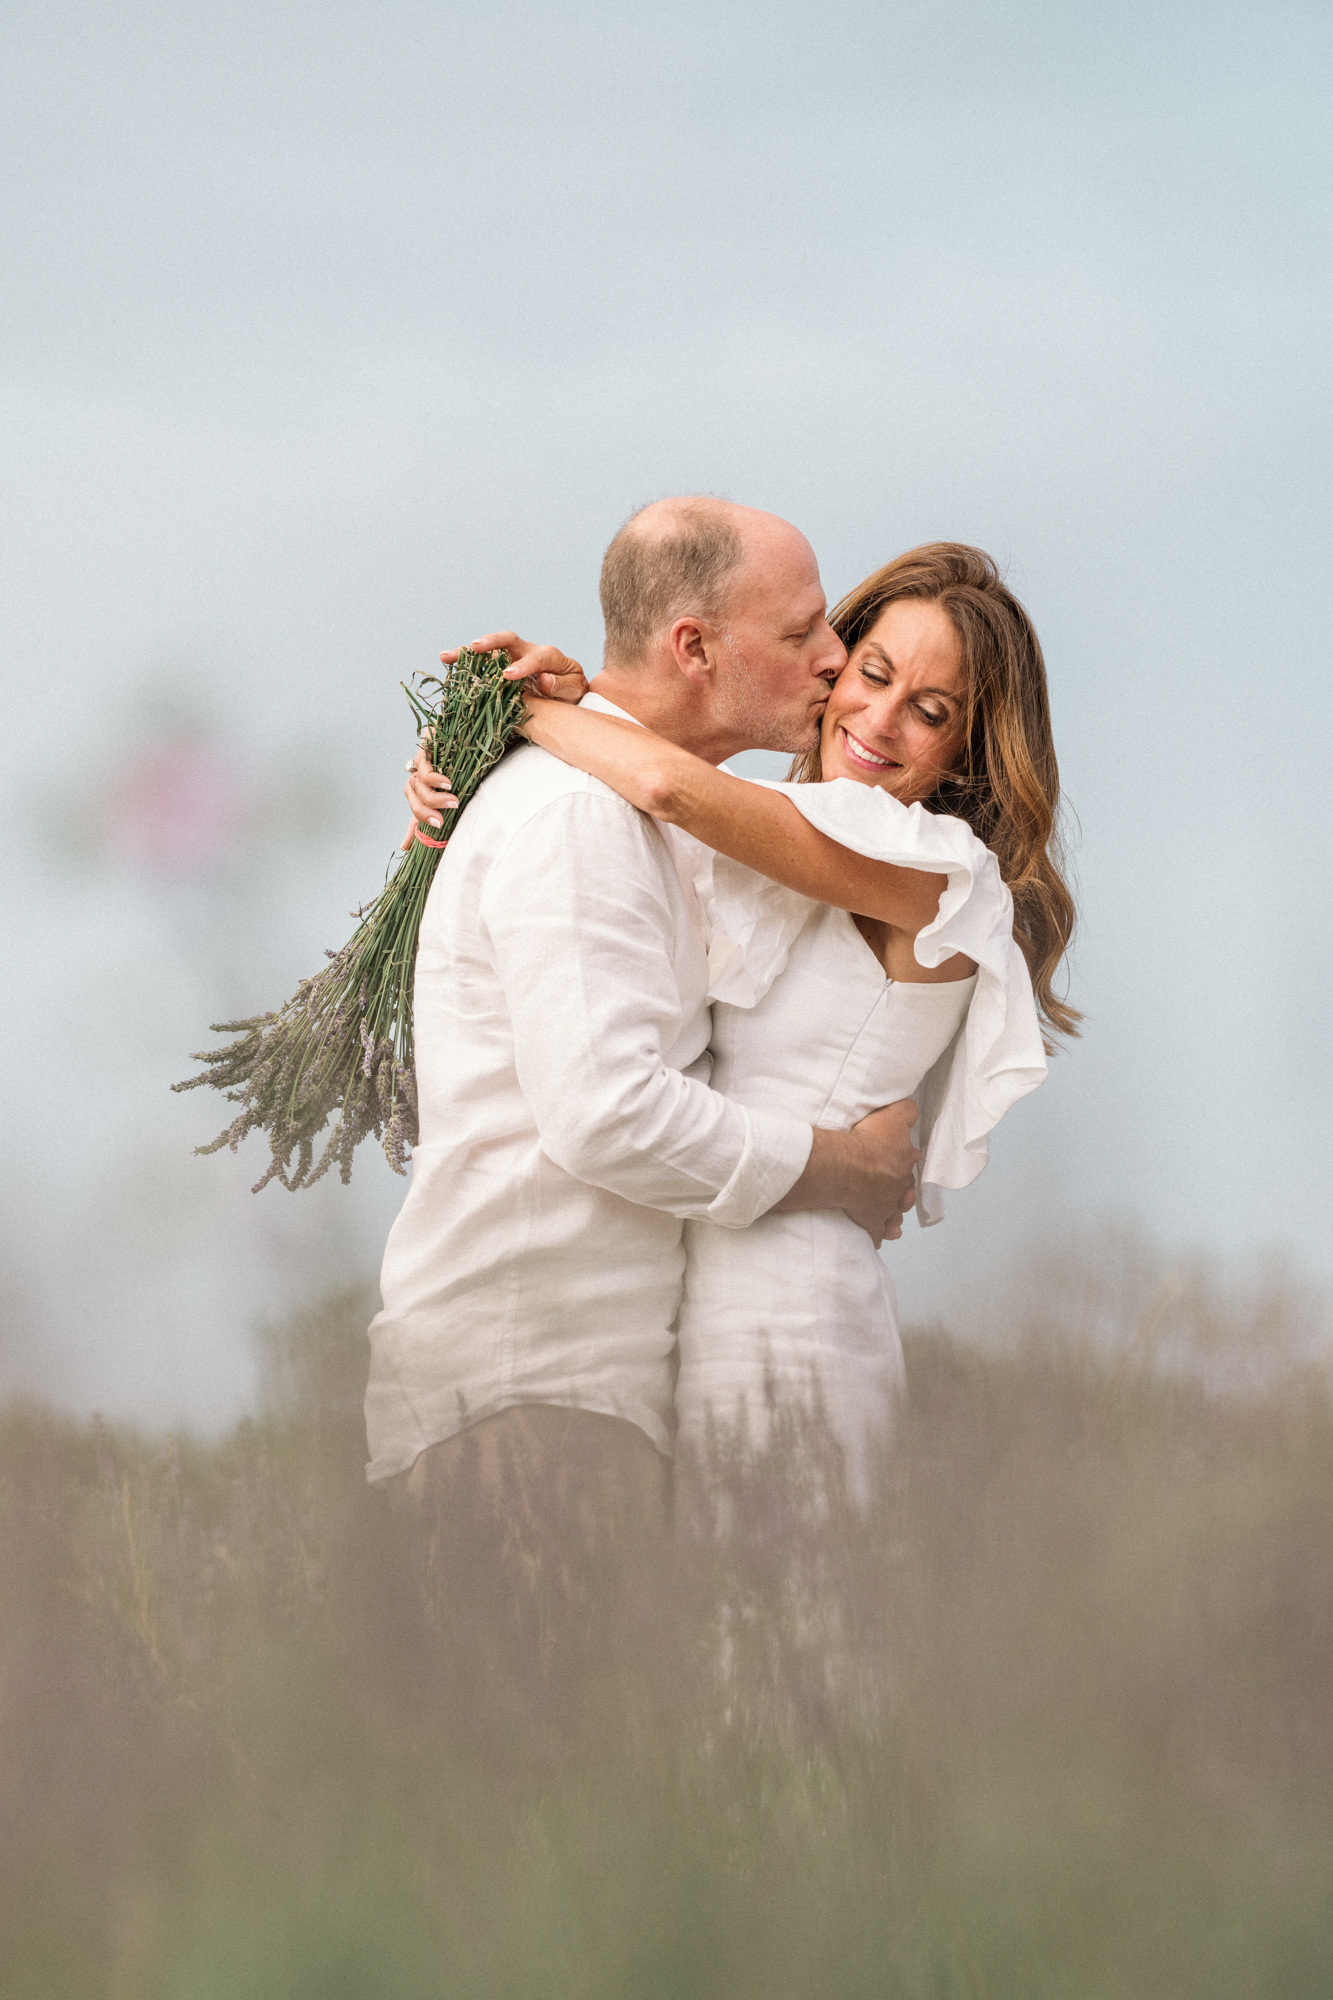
x=604, y=707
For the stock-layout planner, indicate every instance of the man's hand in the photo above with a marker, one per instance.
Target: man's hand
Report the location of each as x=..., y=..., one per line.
x=866, y=1172
x=887, y=1159
x=549, y=672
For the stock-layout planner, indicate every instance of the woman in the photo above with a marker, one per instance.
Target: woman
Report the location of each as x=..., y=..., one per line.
x=921, y=969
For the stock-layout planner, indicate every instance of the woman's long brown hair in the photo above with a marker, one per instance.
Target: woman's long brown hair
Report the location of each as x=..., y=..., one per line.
x=1006, y=783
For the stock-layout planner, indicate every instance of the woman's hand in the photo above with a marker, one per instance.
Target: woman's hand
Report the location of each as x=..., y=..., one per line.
x=427, y=793
x=551, y=674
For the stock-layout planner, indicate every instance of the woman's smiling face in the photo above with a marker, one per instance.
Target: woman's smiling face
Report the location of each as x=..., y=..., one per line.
x=895, y=717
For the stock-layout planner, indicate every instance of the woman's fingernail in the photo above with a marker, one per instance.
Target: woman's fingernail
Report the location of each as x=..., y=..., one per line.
x=433, y=819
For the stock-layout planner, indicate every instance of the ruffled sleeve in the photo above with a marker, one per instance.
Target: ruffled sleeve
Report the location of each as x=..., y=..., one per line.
x=997, y=1055
x=752, y=925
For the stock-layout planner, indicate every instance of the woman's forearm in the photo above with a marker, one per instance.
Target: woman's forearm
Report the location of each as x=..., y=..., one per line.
x=745, y=821
x=643, y=767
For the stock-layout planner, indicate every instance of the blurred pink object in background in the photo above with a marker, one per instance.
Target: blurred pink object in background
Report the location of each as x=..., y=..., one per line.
x=178, y=811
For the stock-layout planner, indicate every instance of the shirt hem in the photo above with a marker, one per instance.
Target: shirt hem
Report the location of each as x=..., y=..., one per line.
x=389, y=1463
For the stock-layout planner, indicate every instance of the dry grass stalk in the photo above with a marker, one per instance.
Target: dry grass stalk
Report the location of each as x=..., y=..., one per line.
x=1051, y=1718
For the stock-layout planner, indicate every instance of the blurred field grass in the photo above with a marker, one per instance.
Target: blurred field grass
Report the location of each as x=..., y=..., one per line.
x=1056, y=1719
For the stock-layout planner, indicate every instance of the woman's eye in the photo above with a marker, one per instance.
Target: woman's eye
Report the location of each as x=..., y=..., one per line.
x=930, y=717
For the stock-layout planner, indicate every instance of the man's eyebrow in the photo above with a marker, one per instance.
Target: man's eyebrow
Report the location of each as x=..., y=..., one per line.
x=945, y=694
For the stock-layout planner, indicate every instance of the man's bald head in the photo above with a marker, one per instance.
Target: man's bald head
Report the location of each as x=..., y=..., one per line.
x=677, y=558
x=716, y=633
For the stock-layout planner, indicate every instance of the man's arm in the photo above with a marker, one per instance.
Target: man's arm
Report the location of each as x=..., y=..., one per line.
x=578, y=913
x=578, y=917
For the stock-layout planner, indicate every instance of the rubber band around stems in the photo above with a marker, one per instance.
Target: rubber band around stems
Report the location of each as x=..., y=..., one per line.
x=426, y=840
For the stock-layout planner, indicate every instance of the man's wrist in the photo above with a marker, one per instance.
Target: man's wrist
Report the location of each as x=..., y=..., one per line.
x=830, y=1176
x=775, y=1155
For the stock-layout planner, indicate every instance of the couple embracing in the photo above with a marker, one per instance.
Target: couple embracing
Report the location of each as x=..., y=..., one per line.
x=688, y=1045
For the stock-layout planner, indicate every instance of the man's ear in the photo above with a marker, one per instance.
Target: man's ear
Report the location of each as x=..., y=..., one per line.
x=692, y=650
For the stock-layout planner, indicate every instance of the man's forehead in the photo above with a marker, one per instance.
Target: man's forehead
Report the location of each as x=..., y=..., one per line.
x=779, y=596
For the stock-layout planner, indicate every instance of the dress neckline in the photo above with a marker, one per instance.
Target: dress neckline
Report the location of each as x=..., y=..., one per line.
x=865, y=949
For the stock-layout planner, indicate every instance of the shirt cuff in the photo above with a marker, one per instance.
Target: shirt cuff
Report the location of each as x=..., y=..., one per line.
x=773, y=1160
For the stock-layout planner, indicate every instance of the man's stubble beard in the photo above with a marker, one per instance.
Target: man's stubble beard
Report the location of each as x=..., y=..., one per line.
x=747, y=710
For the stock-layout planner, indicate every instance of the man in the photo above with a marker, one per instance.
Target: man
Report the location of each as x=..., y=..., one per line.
x=561, y=1014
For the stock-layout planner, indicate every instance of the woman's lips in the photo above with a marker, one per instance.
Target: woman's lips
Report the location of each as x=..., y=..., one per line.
x=860, y=754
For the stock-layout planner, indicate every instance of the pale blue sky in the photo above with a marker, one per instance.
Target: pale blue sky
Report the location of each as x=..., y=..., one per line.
x=331, y=335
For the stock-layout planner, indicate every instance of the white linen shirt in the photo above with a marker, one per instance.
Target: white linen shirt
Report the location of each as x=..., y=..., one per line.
x=567, y=1125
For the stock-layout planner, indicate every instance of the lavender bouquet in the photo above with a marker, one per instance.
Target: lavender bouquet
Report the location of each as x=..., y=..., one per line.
x=341, y=1047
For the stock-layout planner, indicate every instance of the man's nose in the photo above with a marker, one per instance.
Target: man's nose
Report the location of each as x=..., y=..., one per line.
x=832, y=654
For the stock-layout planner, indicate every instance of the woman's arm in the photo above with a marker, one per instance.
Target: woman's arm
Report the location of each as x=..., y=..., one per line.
x=747, y=822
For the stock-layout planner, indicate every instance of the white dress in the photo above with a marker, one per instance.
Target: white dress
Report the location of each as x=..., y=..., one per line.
x=799, y=1309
